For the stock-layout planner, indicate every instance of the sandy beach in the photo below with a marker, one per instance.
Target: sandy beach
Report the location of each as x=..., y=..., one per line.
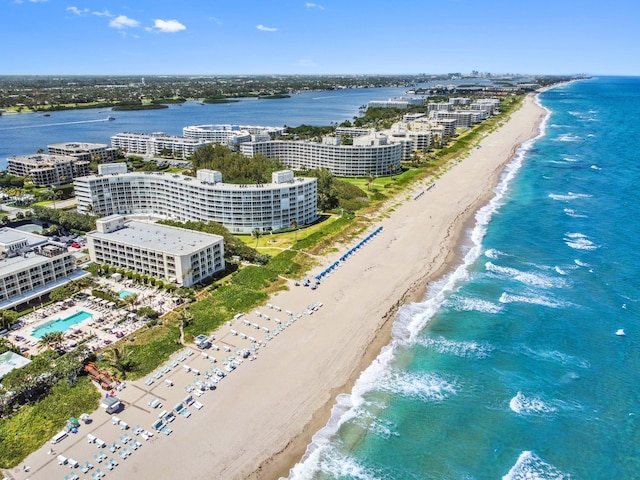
x=262, y=415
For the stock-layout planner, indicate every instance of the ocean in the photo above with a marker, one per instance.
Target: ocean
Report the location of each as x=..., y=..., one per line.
x=514, y=366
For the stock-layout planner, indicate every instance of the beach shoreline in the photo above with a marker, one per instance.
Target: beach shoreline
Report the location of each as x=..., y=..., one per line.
x=280, y=464
x=260, y=419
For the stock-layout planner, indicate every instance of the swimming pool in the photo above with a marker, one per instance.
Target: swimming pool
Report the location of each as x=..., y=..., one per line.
x=61, y=324
x=124, y=294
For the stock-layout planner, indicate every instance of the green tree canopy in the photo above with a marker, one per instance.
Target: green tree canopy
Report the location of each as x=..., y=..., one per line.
x=235, y=167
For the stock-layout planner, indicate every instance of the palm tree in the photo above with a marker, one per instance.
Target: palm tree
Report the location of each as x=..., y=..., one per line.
x=120, y=359
x=256, y=233
x=131, y=300
x=294, y=226
x=184, y=319
x=52, y=340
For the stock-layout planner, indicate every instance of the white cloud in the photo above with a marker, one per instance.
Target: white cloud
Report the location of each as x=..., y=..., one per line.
x=85, y=11
x=216, y=20
x=262, y=28
x=77, y=11
x=313, y=5
x=167, y=26
x=122, y=21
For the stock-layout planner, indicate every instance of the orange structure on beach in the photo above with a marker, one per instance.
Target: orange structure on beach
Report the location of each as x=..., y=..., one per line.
x=106, y=381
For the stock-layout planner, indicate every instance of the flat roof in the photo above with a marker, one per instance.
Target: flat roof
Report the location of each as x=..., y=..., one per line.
x=10, y=235
x=10, y=361
x=153, y=236
x=219, y=186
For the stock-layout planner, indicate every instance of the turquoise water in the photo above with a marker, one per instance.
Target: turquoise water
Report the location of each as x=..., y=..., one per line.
x=511, y=367
x=60, y=325
x=124, y=294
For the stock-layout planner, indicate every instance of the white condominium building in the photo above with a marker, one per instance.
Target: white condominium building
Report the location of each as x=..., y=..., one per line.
x=369, y=154
x=156, y=144
x=231, y=135
x=31, y=266
x=45, y=170
x=239, y=208
x=99, y=152
x=171, y=254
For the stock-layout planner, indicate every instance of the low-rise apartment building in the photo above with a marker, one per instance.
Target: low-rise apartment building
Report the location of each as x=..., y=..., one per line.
x=173, y=255
x=98, y=152
x=45, y=170
x=156, y=144
x=31, y=266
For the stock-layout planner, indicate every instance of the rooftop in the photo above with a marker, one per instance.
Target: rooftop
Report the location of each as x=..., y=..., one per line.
x=153, y=236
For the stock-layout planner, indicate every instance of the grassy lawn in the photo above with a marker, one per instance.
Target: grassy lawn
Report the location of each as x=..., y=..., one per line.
x=33, y=425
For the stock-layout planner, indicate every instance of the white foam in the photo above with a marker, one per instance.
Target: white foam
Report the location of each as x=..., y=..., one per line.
x=531, y=467
x=572, y=213
x=528, y=278
x=595, y=167
x=459, y=349
x=581, y=263
x=579, y=241
x=333, y=464
x=535, y=300
x=568, y=196
x=566, y=137
x=560, y=270
x=524, y=405
x=425, y=386
x=494, y=254
x=467, y=304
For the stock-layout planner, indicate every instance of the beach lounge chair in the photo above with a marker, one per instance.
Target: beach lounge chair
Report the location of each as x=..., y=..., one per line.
x=154, y=403
x=97, y=458
x=95, y=475
x=166, y=430
x=62, y=460
x=108, y=465
x=88, y=465
x=114, y=462
x=188, y=400
x=197, y=405
x=189, y=353
x=166, y=370
x=168, y=383
x=157, y=375
x=100, y=473
x=174, y=364
x=157, y=425
x=149, y=381
x=122, y=455
x=182, y=358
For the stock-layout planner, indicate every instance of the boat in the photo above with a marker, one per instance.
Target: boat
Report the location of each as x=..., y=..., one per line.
x=111, y=118
x=620, y=332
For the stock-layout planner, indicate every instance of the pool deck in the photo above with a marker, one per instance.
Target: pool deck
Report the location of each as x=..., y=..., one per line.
x=105, y=325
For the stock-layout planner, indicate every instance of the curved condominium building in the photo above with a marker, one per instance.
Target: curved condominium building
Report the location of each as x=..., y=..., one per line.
x=240, y=208
x=370, y=154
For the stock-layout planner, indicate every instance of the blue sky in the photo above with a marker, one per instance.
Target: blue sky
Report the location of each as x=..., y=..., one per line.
x=319, y=37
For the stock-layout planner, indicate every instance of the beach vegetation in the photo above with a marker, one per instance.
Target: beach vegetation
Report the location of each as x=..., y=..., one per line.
x=235, y=167
x=44, y=419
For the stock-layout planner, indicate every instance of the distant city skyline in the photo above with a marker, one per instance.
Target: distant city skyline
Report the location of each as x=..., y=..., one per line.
x=325, y=37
